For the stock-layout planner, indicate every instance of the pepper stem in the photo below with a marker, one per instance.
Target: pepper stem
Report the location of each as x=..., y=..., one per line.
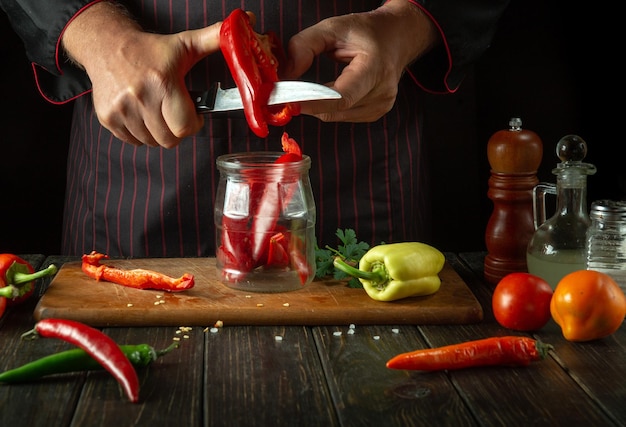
x=30, y=334
x=169, y=348
x=17, y=278
x=543, y=349
x=376, y=276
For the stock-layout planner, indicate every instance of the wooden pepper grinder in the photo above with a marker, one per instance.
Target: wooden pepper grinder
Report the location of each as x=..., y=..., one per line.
x=514, y=155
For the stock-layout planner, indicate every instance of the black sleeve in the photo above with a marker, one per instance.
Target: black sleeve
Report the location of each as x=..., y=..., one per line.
x=467, y=28
x=40, y=23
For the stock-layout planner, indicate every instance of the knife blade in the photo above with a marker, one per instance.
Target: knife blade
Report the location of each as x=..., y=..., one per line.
x=217, y=99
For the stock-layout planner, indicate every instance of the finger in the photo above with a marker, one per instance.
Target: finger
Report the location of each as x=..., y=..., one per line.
x=200, y=43
x=303, y=48
x=179, y=116
x=360, y=114
x=313, y=108
x=124, y=135
x=139, y=134
x=355, y=82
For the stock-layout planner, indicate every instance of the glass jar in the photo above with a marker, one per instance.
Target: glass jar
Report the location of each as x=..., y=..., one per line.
x=606, y=240
x=558, y=246
x=265, y=222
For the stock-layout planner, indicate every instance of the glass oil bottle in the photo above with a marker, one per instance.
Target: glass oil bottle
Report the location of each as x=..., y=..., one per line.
x=558, y=246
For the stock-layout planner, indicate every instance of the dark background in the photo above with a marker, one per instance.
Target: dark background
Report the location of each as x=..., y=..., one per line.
x=549, y=64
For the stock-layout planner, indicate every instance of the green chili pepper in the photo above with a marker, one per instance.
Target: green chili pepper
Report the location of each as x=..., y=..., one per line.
x=397, y=270
x=76, y=359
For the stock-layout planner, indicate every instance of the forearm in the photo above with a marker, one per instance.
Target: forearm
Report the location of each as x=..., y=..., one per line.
x=418, y=29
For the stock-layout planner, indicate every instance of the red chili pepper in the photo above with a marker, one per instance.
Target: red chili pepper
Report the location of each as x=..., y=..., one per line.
x=503, y=351
x=17, y=278
x=253, y=60
x=136, y=278
x=98, y=345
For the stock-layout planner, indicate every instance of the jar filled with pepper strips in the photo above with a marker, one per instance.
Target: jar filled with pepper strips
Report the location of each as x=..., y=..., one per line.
x=265, y=221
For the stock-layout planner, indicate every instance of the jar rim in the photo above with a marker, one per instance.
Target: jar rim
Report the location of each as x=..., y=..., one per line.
x=608, y=209
x=259, y=160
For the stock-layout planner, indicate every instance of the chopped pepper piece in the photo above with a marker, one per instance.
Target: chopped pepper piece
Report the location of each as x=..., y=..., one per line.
x=398, y=270
x=136, y=278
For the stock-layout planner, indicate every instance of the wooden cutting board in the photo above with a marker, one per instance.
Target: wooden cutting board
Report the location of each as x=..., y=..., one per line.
x=73, y=295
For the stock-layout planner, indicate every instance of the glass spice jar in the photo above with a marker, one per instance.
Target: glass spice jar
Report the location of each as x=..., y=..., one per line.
x=265, y=222
x=606, y=240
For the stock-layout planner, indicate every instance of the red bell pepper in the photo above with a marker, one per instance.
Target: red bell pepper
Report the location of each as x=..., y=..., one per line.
x=253, y=60
x=17, y=279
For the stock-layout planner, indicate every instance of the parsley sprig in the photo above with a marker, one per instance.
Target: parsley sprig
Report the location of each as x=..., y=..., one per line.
x=350, y=250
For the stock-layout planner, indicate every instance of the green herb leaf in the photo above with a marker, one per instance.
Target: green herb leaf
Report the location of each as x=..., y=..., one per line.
x=350, y=250
x=323, y=262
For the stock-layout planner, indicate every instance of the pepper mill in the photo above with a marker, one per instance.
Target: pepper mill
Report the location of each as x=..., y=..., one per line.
x=514, y=155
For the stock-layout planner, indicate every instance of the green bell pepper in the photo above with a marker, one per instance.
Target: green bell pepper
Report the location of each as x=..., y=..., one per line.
x=393, y=271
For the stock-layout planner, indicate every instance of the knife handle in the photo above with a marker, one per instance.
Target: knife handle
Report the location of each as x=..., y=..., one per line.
x=204, y=100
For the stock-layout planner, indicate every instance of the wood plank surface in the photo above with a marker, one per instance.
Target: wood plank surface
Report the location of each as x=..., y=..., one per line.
x=73, y=295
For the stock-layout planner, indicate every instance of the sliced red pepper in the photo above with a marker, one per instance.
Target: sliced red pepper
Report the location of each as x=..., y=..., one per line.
x=136, y=278
x=269, y=206
x=235, y=251
x=277, y=255
x=98, y=345
x=298, y=260
x=253, y=62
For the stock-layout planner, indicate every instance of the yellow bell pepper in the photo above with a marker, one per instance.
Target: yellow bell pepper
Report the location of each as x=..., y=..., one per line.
x=393, y=271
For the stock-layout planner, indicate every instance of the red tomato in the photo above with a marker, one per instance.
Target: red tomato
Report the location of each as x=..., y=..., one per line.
x=521, y=301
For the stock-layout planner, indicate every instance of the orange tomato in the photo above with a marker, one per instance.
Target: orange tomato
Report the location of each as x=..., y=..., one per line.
x=588, y=305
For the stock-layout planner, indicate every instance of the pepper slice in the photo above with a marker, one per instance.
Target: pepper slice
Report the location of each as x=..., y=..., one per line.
x=397, y=270
x=136, y=278
x=269, y=205
x=253, y=60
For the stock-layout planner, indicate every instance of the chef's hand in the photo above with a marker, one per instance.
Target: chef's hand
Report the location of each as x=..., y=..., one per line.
x=139, y=92
x=376, y=45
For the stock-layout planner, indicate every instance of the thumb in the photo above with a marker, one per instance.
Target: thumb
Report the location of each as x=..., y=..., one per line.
x=200, y=43
x=300, y=56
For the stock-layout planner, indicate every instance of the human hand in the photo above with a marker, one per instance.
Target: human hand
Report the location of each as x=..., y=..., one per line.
x=376, y=46
x=139, y=92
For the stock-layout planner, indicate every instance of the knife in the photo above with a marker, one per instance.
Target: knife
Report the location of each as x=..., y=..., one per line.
x=217, y=99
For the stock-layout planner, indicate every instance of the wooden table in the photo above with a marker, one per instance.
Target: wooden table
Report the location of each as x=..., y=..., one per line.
x=321, y=376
